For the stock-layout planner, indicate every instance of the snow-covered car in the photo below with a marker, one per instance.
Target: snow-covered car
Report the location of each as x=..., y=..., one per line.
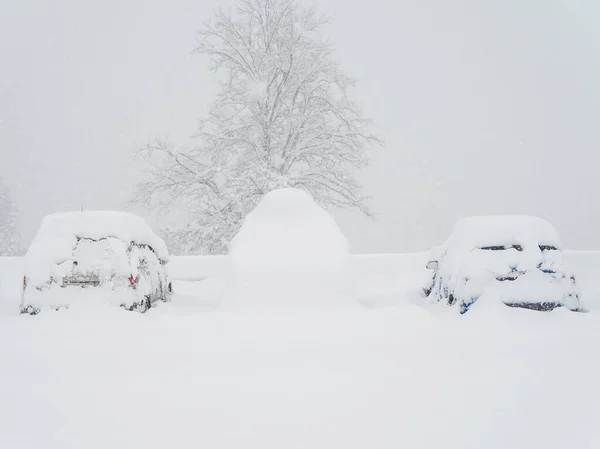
x=114, y=255
x=514, y=259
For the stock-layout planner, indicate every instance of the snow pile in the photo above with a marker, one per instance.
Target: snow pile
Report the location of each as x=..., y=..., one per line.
x=514, y=258
x=288, y=229
x=58, y=235
x=288, y=251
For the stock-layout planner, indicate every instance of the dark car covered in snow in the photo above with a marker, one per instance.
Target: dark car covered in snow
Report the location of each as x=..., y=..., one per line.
x=114, y=256
x=513, y=259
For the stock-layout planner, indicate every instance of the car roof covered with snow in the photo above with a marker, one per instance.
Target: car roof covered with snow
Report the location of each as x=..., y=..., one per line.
x=59, y=233
x=477, y=232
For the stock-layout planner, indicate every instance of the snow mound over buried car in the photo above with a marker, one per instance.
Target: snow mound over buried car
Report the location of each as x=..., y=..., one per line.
x=289, y=251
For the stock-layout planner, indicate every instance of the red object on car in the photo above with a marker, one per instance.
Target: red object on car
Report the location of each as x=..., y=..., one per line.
x=132, y=280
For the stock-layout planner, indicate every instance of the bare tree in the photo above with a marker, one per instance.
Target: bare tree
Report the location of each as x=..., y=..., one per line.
x=10, y=240
x=282, y=118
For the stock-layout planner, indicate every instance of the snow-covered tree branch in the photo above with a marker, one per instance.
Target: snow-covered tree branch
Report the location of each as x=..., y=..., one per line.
x=282, y=118
x=10, y=240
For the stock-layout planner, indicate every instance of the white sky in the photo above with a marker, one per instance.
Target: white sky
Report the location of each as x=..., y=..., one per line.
x=485, y=106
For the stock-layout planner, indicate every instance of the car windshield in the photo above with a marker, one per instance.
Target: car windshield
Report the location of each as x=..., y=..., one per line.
x=501, y=247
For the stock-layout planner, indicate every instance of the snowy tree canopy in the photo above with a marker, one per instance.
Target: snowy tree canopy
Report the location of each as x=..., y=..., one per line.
x=10, y=240
x=282, y=118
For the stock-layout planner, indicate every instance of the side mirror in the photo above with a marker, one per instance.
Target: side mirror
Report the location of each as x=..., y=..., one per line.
x=432, y=265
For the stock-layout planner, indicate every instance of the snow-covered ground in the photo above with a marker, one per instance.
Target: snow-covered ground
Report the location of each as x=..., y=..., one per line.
x=189, y=374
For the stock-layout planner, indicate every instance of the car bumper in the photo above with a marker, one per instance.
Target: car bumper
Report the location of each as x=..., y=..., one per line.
x=55, y=297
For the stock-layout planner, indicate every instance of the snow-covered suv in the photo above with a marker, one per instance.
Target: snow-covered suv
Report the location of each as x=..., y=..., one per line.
x=514, y=259
x=113, y=255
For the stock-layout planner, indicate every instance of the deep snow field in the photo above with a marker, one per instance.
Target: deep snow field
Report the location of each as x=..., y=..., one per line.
x=190, y=374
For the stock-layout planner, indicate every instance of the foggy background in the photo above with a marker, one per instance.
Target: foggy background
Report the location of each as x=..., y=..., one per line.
x=484, y=106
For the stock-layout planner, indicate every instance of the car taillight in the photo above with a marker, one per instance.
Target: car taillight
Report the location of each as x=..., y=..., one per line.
x=572, y=278
x=132, y=280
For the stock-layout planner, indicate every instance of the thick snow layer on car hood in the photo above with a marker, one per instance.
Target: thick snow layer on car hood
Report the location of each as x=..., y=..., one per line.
x=58, y=234
x=470, y=247
x=475, y=232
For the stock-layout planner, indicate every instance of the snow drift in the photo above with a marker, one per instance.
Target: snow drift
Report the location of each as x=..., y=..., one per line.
x=288, y=251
